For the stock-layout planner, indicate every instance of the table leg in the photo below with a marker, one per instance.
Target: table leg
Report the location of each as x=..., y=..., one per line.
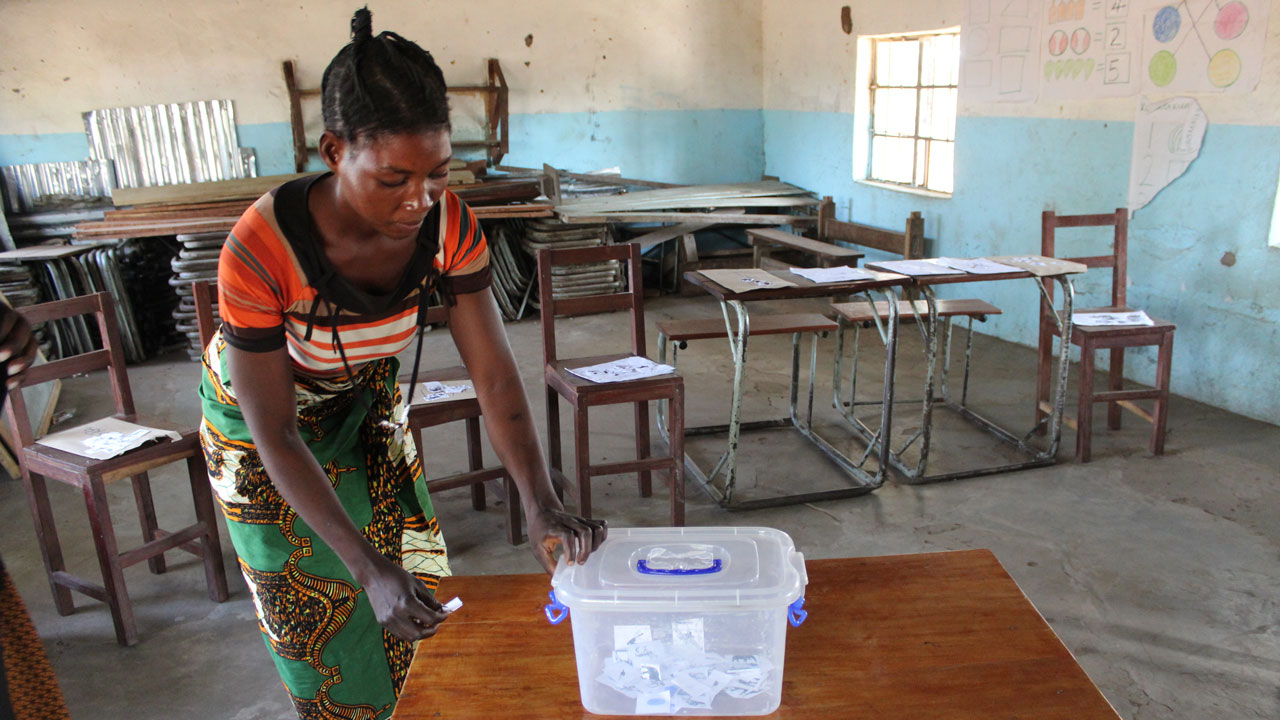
x=1035, y=457
x=738, y=330
x=737, y=346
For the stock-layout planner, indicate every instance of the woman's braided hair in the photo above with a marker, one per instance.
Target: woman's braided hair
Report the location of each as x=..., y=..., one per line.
x=382, y=84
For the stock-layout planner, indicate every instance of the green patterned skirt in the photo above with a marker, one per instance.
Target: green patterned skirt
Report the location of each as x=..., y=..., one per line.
x=336, y=661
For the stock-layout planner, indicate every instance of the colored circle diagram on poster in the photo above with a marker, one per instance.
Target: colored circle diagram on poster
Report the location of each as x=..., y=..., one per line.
x=1224, y=68
x=1080, y=41
x=1164, y=66
x=1058, y=43
x=1166, y=24
x=1231, y=21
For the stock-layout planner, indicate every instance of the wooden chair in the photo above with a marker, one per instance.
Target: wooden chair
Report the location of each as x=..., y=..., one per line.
x=1115, y=339
x=583, y=394
x=423, y=415
x=39, y=462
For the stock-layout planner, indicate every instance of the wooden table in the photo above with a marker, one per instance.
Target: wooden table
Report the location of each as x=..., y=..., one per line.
x=734, y=307
x=940, y=635
x=1016, y=439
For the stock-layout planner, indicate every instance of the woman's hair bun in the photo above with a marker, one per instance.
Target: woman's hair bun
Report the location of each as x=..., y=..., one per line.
x=362, y=24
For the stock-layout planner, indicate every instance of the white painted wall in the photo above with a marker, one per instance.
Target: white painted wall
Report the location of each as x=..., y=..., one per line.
x=810, y=63
x=59, y=58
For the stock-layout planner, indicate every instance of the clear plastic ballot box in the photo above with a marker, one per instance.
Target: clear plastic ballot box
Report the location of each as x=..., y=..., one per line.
x=682, y=621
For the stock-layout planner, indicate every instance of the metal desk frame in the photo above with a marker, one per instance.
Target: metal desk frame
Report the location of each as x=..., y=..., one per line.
x=916, y=475
x=737, y=320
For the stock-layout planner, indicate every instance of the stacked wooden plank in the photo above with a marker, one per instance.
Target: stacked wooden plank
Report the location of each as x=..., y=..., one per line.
x=215, y=207
x=156, y=221
x=697, y=204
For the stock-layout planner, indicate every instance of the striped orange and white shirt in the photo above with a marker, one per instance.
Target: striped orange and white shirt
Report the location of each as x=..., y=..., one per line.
x=276, y=288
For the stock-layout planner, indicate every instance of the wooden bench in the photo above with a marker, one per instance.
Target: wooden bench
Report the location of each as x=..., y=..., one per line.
x=682, y=331
x=861, y=313
x=765, y=240
x=826, y=253
x=909, y=243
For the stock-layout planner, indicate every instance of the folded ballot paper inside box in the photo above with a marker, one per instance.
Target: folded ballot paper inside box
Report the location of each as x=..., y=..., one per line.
x=105, y=439
x=682, y=621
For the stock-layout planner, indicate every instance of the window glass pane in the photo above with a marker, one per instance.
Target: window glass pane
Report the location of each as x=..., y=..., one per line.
x=891, y=159
x=927, y=103
x=942, y=170
x=944, y=60
x=895, y=111
x=942, y=121
x=953, y=60
x=904, y=66
x=922, y=156
x=883, y=58
x=928, y=68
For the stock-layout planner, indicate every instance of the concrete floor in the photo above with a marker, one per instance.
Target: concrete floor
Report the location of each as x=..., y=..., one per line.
x=1162, y=575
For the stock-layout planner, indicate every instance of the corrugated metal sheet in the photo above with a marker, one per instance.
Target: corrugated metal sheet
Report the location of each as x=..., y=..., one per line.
x=169, y=144
x=35, y=186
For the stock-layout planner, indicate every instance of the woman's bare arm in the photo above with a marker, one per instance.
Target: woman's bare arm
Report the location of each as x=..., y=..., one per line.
x=482, y=342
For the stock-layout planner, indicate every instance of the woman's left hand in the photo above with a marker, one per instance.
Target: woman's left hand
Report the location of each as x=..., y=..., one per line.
x=577, y=536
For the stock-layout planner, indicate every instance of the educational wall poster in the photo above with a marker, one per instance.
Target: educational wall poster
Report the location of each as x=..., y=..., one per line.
x=1000, y=51
x=1204, y=45
x=1166, y=137
x=1090, y=48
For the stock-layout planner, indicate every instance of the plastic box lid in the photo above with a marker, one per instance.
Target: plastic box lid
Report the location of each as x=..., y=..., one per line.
x=685, y=569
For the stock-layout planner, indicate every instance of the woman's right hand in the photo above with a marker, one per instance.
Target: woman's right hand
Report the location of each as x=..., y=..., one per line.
x=401, y=602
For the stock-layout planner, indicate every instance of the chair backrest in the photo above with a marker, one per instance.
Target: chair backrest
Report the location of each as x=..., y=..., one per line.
x=1117, y=260
x=631, y=299
x=203, y=292
x=110, y=357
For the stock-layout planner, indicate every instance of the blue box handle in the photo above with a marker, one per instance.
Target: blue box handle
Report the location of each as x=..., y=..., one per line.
x=556, y=611
x=642, y=565
x=796, y=613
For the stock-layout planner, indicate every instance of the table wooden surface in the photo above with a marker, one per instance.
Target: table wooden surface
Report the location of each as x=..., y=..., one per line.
x=804, y=287
x=939, y=635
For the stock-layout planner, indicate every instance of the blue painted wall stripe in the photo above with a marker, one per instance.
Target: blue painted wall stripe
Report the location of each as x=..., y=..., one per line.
x=48, y=147
x=695, y=146
x=681, y=146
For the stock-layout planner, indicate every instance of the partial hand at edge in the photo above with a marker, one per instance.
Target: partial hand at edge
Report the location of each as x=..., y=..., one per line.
x=17, y=345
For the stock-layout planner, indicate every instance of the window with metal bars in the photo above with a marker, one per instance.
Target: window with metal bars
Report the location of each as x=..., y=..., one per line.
x=913, y=110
